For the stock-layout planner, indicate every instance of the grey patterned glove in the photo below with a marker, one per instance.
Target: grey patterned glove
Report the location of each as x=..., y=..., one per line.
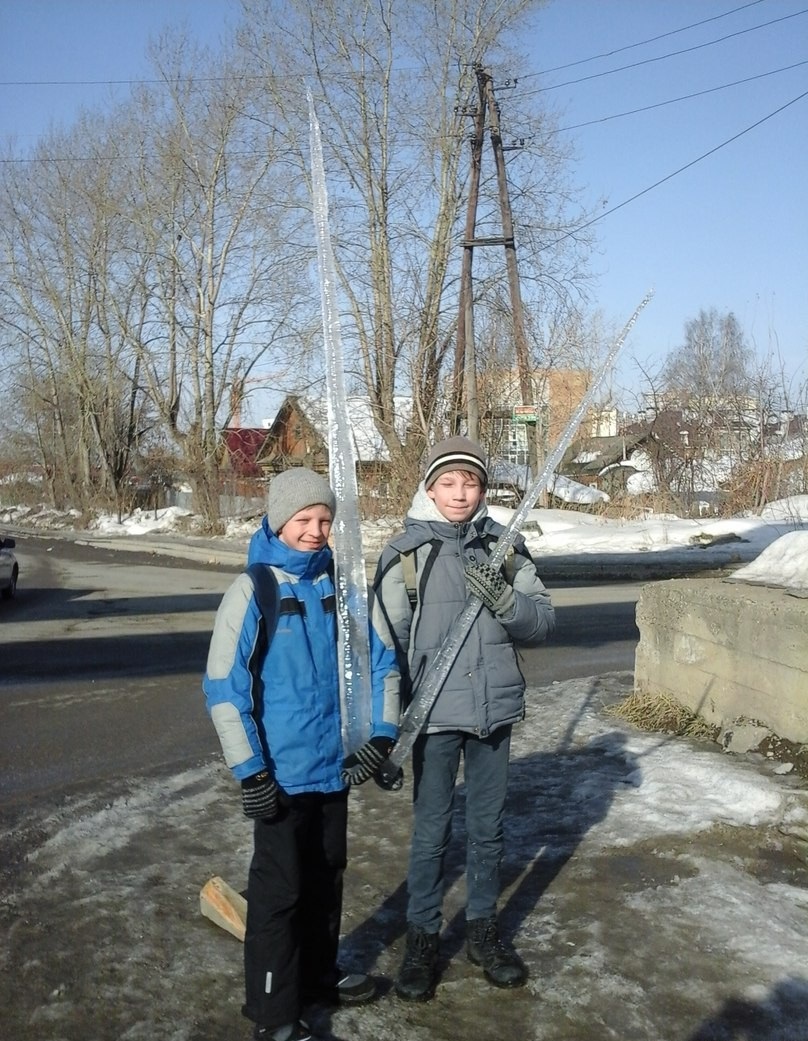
x=259, y=797
x=489, y=585
x=362, y=764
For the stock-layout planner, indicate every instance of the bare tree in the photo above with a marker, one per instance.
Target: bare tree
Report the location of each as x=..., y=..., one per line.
x=219, y=271
x=61, y=240
x=713, y=364
x=158, y=260
x=392, y=85
x=151, y=262
x=720, y=418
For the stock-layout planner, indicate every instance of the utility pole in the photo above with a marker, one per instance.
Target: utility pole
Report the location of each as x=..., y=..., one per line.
x=520, y=339
x=465, y=370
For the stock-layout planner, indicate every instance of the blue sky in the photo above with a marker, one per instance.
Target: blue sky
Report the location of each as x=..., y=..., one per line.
x=730, y=231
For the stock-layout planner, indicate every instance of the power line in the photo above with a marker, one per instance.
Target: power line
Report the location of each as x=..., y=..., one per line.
x=222, y=79
x=684, y=97
x=528, y=75
x=123, y=83
x=642, y=43
x=675, y=173
x=573, y=126
x=661, y=57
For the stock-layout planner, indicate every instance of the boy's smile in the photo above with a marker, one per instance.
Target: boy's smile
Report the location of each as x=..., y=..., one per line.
x=457, y=495
x=308, y=529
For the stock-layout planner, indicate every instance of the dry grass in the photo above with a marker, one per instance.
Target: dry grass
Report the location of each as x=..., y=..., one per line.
x=662, y=713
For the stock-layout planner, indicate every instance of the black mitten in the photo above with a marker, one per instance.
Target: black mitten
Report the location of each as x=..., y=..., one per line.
x=259, y=797
x=362, y=764
x=489, y=585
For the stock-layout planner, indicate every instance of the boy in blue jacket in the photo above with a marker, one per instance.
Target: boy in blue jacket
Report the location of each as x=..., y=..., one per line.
x=274, y=701
x=423, y=579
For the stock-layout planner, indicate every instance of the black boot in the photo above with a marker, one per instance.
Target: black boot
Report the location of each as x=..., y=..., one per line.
x=500, y=963
x=291, y=1032
x=341, y=988
x=418, y=975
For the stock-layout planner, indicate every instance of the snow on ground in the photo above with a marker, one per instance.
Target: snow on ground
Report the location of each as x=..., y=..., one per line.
x=565, y=531
x=658, y=888
x=548, y=532
x=783, y=563
x=649, y=882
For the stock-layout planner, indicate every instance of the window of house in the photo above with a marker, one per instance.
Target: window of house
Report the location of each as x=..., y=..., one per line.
x=517, y=444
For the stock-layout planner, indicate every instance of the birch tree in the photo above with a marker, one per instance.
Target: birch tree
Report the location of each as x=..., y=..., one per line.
x=392, y=84
x=215, y=214
x=62, y=238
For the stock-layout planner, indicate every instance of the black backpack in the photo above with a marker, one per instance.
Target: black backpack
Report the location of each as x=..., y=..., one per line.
x=268, y=598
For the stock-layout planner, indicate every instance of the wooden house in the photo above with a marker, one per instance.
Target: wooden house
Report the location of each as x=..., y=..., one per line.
x=298, y=436
x=604, y=462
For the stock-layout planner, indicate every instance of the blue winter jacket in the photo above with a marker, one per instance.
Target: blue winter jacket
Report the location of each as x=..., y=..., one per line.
x=282, y=712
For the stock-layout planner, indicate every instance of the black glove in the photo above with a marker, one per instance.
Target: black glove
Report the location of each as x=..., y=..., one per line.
x=362, y=764
x=259, y=797
x=489, y=585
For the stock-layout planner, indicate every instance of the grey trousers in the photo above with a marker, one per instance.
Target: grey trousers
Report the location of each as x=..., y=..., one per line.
x=436, y=762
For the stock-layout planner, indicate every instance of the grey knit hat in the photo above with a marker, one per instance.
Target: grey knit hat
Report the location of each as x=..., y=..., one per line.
x=455, y=453
x=294, y=490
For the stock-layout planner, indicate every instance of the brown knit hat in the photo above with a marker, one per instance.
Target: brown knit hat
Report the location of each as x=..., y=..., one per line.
x=455, y=453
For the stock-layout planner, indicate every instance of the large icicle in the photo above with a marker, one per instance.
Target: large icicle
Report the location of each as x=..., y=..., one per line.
x=416, y=714
x=351, y=577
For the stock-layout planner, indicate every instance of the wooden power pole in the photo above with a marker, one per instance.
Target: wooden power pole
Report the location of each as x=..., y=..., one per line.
x=465, y=375
x=517, y=313
x=465, y=370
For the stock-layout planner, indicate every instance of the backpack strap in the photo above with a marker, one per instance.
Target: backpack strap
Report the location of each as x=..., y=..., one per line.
x=268, y=599
x=409, y=570
x=407, y=559
x=272, y=605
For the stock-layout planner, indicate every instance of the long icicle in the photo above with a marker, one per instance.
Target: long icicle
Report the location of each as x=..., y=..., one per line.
x=419, y=709
x=351, y=576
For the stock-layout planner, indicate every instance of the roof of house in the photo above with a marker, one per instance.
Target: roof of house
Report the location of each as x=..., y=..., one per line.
x=368, y=443
x=242, y=446
x=595, y=453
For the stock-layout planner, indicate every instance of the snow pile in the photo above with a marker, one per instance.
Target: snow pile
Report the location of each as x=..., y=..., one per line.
x=784, y=564
x=141, y=521
x=571, y=491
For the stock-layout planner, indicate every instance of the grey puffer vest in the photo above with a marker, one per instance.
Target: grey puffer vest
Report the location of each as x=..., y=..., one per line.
x=485, y=687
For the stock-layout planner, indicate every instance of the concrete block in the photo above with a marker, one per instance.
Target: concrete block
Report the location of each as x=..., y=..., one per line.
x=726, y=651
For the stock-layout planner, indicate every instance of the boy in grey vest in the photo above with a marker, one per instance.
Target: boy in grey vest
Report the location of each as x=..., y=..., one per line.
x=443, y=553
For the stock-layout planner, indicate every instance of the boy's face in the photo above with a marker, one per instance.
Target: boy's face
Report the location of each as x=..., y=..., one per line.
x=308, y=529
x=457, y=495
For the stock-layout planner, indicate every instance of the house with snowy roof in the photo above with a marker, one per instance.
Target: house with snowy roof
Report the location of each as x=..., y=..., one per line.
x=298, y=436
x=607, y=463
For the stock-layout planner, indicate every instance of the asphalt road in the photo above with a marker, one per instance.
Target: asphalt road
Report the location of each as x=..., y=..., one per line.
x=101, y=656
x=102, y=652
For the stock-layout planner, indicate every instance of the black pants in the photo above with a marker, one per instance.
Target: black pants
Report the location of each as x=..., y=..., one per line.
x=294, y=905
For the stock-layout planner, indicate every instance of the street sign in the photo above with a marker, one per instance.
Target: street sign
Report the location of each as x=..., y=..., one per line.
x=524, y=414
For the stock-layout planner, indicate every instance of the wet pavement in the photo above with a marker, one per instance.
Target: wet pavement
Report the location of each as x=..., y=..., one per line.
x=656, y=888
